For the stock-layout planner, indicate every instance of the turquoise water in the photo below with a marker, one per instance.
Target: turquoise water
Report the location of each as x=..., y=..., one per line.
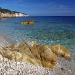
x=46, y=30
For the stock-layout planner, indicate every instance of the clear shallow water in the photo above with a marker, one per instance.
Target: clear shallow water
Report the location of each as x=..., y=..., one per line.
x=47, y=30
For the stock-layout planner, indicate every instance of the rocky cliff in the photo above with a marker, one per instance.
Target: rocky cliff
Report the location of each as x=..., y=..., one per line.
x=9, y=13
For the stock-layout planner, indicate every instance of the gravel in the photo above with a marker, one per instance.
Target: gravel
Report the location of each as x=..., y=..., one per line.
x=63, y=67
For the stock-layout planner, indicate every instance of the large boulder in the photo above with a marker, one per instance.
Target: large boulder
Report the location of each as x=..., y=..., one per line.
x=60, y=50
x=44, y=54
x=38, y=54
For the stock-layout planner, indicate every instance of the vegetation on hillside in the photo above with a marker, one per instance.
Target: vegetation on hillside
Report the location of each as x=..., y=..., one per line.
x=3, y=10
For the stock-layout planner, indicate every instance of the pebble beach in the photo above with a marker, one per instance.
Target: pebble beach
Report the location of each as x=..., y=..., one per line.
x=52, y=31
x=63, y=67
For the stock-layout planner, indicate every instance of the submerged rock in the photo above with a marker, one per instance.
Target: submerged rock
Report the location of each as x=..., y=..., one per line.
x=38, y=54
x=29, y=22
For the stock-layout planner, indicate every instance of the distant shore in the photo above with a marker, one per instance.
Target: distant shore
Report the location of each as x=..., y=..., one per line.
x=6, y=13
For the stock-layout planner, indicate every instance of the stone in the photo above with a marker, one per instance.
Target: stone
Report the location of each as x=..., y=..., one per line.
x=29, y=22
x=60, y=50
x=37, y=54
x=44, y=54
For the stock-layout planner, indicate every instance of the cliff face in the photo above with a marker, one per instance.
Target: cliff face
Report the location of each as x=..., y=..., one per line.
x=9, y=13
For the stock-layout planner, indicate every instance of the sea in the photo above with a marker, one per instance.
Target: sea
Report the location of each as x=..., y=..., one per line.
x=44, y=30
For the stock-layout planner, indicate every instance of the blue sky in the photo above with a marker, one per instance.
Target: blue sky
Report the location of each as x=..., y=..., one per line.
x=41, y=7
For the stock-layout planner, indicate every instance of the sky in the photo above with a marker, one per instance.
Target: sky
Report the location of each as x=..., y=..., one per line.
x=41, y=7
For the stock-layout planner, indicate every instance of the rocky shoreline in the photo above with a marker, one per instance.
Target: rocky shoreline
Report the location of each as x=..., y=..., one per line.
x=63, y=67
x=34, y=53
x=17, y=59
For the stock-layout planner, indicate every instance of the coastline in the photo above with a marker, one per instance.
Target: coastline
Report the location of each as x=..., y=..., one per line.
x=63, y=66
x=15, y=67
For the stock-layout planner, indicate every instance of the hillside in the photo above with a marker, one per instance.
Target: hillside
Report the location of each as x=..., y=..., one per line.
x=8, y=13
